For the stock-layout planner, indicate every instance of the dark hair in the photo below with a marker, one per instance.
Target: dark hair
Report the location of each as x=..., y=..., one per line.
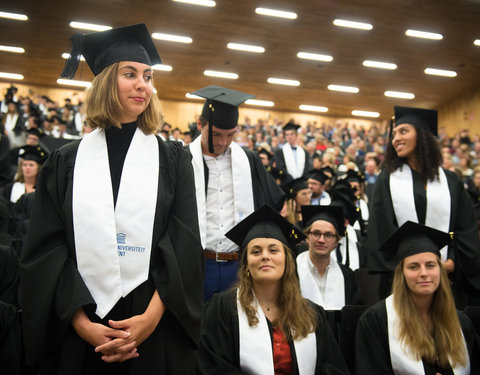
x=427, y=153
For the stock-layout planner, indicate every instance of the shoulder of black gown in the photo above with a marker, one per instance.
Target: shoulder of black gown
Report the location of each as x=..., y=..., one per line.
x=472, y=339
x=352, y=295
x=219, y=343
x=372, y=354
x=265, y=188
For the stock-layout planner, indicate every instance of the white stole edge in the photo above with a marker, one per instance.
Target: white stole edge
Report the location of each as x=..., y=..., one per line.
x=18, y=189
x=294, y=169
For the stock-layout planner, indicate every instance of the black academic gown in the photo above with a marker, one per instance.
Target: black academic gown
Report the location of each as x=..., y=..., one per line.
x=52, y=289
x=280, y=162
x=465, y=250
x=352, y=296
x=372, y=353
x=219, y=352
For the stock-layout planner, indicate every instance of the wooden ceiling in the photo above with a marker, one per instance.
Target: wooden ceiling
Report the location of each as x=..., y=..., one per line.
x=45, y=36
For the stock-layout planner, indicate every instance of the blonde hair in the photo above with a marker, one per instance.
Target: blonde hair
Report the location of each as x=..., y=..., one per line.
x=447, y=339
x=102, y=106
x=19, y=177
x=297, y=317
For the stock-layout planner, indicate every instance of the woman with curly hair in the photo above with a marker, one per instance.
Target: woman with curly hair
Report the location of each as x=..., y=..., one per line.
x=413, y=186
x=112, y=269
x=417, y=329
x=263, y=326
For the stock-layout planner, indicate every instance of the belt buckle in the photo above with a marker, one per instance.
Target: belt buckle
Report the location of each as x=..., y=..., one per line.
x=219, y=260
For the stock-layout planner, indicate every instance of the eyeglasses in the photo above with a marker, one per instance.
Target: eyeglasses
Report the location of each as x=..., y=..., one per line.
x=329, y=236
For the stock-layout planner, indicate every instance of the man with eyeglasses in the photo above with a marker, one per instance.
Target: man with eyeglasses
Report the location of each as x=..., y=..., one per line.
x=322, y=279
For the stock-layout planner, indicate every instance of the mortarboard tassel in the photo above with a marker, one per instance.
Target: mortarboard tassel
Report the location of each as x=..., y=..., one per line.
x=71, y=64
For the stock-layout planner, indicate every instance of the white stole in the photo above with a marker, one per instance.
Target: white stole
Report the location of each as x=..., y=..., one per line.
x=256, y=352
x=294, y=169
x=403, y=361
x=18, y=189
x=113, y=246
x=353, y=255
x=242, y=185
x=438, y=201
x=335, y=283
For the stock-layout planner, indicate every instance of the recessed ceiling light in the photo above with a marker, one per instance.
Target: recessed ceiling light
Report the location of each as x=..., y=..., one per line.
x=89, y=26
x=14, y=16
x=476, y=42
x=379, y=64
x=276, y=13
x=172, y=38
x=262, y=103
x=162, y=67
x=10, y=75
x=213, y=73
x=313, y=108
x=365, y=113
x=281, y=81
x=12, y=49
x=350, y=89
x=314, y=56
x=246, y=47
x=67, y=56
x=204, y=3
x=72, y=82
x=353, y=24
x=191, y=96
x=440, y=72
x=399, y=94
x=424, y=34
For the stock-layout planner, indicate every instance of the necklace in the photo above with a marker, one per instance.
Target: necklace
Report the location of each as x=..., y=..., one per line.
x=269, y=308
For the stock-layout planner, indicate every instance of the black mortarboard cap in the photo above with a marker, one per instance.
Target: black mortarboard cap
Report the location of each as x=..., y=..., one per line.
x=265, y=152
x=329, y=170
x=332, y=214
x=290, y=126
x=221, y=107
x=265, y=223
x=101, y=49
x=318, y=175
x=418, y=117
x=36, y=131
x=344, y=190
x=354, y=176
x=280, y=174
x=35, y=153
x=412, y=238
x=294, y=186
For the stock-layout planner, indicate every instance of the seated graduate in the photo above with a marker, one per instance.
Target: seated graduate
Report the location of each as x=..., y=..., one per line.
x=417, y=330
x=298, y=195
x=322, y=279
x=264, y=326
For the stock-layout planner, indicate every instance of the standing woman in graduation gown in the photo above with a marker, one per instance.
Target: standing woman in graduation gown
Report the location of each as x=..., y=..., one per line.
x=111, y=275
x=264, y=326
x=417, y=330
x=413, y=186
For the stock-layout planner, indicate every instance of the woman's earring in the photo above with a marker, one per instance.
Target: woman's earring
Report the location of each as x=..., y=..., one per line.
x=248, y=273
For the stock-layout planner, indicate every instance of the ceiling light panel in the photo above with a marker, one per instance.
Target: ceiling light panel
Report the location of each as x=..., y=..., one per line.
x=399, y=94
x=353, y=24
x=67, y=56
x=440, y=72
x=313, y=108
x=10, y=75
x=341, y=88
x=276, y=13
x=365, y=113
x=246, y=47
x=476, y=42
x=14, y=16
x=191, y=96
x=172, y=38
x=72, y=82
x=162, y=67
x=281, y=81
x=214, y=73
x=261, y=103
x=314, y=56
x=89, y=26
x=379, y=64
x=203, y=3
x=12, y=49
x=423, y=34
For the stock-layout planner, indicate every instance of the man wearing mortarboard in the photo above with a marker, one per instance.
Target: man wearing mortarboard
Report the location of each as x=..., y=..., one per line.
x=317, y=185
x=230, y=183
x=292, y=157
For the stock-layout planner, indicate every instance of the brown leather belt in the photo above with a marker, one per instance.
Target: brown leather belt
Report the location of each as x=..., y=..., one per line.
x=221, y=257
